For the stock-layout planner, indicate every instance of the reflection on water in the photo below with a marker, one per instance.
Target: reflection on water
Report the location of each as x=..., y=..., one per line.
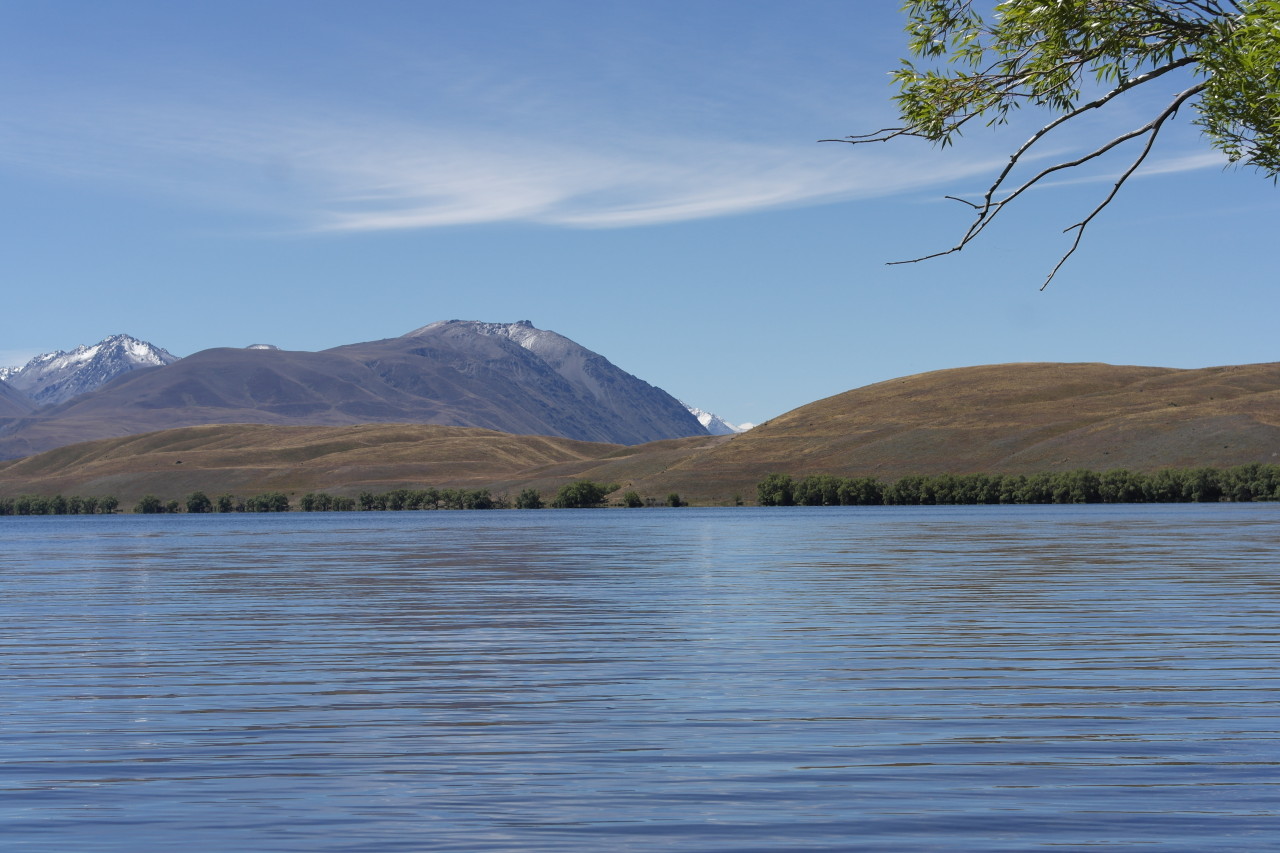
x=881, y=679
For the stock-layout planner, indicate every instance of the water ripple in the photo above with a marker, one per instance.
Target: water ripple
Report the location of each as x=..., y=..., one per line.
x=881, y=679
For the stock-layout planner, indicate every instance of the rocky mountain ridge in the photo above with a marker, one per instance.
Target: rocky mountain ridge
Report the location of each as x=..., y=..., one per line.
x=13, y=402
x=509, y=377
x=56, y=377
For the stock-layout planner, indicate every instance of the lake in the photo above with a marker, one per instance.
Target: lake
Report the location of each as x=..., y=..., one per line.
x=879, y=679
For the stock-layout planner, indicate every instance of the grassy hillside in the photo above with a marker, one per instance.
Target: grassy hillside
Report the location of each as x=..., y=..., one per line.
x=1013, y=418
x=252, y=458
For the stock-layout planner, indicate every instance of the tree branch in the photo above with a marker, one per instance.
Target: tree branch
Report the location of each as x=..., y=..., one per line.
x=1043, y=55
x=989, y=206
x=1153, y=130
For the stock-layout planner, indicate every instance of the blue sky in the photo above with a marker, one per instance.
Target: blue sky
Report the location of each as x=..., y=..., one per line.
x=643, y=177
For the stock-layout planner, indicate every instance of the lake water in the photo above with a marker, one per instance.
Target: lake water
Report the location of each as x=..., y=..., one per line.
x=880, y=679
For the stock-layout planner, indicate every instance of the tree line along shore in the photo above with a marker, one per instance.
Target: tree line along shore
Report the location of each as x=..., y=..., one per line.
x=1241, y=483
x=579, y=494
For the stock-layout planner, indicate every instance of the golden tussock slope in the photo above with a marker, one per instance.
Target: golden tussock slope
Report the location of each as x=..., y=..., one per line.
x=1010, y=418
x=253, y=458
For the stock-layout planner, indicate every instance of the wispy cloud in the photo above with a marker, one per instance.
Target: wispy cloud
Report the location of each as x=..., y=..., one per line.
x=645, y=184
x=487, y=122
x=341, y=170
x=1151, y=168
x=1083, y=175
x=368, y=173
x=1186, y=163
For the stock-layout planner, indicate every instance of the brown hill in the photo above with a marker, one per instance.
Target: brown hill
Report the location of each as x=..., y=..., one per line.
x=1014, y=418
x=1009, y=418
x=252, y=458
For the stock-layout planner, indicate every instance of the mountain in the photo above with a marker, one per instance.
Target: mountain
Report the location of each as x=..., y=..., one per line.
x=55, y=377
x=12, y=401
x=714, y=424
x=512, y=378
x=532, y=381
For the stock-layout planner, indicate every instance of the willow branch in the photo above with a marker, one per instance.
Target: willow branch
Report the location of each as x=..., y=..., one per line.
x=1096, y=103
x=1152, y=130
x=989, y=207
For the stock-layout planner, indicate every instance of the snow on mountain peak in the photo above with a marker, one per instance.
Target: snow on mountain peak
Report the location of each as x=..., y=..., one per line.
x=521, y=332
x=715, y=424
x=566, y=357
x=54, y=377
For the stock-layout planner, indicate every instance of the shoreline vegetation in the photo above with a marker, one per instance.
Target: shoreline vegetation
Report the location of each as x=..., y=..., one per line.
x=1238, y=484
x=579, y=494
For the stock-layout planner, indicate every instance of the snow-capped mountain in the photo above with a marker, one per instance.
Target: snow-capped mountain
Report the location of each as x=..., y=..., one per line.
x=715, y=424
x=509, y=377
x=612, y=393
x=571, y=361
x=55, y=377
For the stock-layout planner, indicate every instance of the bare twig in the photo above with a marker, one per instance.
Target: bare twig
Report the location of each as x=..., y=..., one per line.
x=990, y=206
x=1153, y=130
